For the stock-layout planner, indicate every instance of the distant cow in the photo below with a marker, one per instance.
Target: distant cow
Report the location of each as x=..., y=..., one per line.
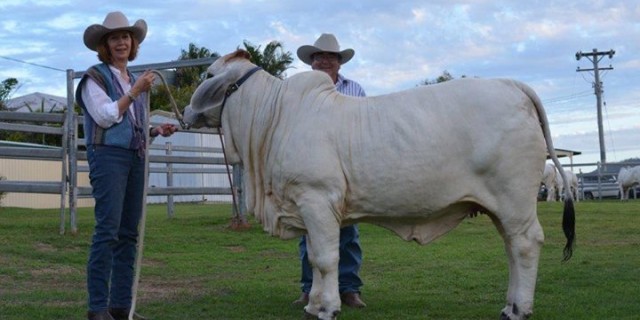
x=573, y=183
x=550, y=181
x=628, y=177
x=417, y=162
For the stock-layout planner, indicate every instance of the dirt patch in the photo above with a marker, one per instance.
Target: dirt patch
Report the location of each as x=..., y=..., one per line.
x=236, y=249
x=44, y=247
x=148, y=262
x=55, y=270
x=157, y=289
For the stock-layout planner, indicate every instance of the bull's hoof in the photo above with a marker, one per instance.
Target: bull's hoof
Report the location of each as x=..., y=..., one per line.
x=504, y=316
x=329, y=316
x=514, y=314
x=323, y=315
x=309, y=316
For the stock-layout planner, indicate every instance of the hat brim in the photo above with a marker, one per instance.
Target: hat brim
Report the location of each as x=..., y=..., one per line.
x=306, y=52
x=94, y=33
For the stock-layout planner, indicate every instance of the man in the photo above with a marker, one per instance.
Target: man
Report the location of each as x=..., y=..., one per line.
x=325, y=55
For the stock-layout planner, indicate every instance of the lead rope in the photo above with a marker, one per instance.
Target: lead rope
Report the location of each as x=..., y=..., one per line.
x=236, y=220
x=236, y=212
x=143, y=218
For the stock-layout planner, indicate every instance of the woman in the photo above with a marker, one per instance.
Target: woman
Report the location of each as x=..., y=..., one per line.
x=114, y=103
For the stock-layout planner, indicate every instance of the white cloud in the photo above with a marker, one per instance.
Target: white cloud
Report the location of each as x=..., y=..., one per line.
x=9, y=26
x=397, y=44
x=67, y=21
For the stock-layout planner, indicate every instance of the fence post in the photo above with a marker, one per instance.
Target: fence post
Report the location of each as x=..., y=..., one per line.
x=72, y=152
x=170, y=206
x=599, y=181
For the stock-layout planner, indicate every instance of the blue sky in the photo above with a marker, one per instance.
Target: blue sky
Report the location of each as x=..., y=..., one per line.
x=398, y=44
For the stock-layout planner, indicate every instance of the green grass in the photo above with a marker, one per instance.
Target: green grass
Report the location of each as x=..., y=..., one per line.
x=195, y=267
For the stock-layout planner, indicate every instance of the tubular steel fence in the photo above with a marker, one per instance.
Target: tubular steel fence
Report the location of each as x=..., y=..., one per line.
x=202, y=160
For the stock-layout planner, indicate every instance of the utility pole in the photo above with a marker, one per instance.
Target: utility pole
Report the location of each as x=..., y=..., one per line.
x=595, y=56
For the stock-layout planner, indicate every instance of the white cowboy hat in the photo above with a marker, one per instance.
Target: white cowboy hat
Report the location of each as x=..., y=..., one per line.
x=326, y=43
x=115, y=21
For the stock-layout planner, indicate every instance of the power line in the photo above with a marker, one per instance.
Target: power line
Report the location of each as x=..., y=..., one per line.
x=567, y=97
x=31, y=63
x=595, y=56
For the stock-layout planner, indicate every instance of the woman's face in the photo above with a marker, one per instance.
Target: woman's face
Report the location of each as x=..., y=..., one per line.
x=119, y=43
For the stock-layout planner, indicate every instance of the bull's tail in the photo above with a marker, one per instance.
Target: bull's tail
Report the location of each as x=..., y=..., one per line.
x=569, y=214
x=569, y=226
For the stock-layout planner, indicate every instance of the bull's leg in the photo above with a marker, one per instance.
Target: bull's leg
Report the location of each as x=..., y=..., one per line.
x=323, y=238
x=621, y=192
x=551, y=194
x=523, y=241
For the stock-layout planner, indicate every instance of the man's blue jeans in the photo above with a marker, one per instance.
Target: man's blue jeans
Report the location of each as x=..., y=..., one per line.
x=117, y=179
x=348, y=267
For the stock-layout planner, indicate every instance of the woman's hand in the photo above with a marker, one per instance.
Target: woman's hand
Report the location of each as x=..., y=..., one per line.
x=143, y=83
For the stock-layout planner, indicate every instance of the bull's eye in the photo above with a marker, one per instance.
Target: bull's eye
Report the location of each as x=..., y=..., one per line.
x=204, y=76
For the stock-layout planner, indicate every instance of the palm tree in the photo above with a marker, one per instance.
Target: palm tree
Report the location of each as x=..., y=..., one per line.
x=5, y=89
x=186, y=80
x=272, y=59
x=193, y=75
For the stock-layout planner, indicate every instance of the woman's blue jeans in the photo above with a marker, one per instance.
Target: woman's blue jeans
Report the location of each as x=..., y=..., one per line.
x=117, y=179
x=348, y=267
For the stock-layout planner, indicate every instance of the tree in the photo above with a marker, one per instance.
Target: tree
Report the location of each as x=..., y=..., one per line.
x=6, y=87
x=193, y=75
x=272, y=59
x=31, y=137
x=445, y=76
x=186, y=81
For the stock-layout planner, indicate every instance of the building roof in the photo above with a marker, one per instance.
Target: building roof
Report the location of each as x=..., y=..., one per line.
x=565, y=153
x=614, y=167
x=37, y=101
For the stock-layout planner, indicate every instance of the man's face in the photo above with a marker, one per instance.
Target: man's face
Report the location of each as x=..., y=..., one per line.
x=328, y=62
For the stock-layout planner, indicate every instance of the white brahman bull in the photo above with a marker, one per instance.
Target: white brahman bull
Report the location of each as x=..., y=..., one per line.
x=550, y=181
x=417, y=162
x=628, y=177
x=573, y=183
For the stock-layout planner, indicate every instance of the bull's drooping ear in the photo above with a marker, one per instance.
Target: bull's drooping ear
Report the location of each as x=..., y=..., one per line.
x=209, y=94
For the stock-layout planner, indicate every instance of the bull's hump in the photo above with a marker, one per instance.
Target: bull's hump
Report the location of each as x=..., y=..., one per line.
x=309, y=80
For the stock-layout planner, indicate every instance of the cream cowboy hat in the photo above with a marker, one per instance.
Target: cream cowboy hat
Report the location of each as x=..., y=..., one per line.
x=326, y=43
x=115, y=21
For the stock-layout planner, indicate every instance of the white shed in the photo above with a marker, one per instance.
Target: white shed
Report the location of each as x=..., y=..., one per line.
x=187, y=139
x=37, y=102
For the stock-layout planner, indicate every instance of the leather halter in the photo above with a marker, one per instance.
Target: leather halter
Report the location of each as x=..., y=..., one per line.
x=231, y=89
x=234, y=87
